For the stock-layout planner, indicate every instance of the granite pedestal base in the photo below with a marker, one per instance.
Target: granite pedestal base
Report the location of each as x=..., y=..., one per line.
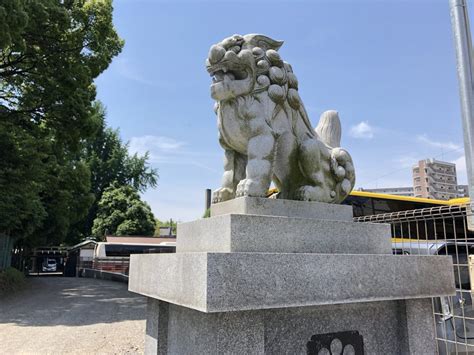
x=285, y=277
x=389, y=327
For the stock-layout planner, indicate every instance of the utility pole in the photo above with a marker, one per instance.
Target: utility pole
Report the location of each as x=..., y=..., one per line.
x=207, y=199
x=463, y=46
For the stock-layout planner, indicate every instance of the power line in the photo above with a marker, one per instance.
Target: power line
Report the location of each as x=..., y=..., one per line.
x=404, y=168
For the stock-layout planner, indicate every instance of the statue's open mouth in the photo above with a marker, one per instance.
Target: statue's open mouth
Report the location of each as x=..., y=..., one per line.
x=221, y=73
x=232, y=76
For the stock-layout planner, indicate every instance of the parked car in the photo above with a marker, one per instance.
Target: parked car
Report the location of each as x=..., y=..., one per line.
x=49, y=265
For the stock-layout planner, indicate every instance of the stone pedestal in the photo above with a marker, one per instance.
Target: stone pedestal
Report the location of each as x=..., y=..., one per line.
x=265, y=276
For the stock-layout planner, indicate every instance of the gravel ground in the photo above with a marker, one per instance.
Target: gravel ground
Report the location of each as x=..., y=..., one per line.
x=62, y=315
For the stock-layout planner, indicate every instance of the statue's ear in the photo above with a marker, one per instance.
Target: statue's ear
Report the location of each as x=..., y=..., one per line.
x=264, y=42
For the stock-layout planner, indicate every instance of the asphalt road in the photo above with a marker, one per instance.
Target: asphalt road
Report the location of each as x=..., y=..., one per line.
x=59, y=315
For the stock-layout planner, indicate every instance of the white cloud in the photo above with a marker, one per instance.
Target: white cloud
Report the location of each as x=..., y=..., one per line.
x=423, y=138
x=167, y=150
x=159, y=147
x=362, y=130
x=131, y=70
x=127, y=70
x=406, y=161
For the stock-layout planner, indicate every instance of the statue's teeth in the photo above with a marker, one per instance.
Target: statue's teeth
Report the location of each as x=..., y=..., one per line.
x=219, y=75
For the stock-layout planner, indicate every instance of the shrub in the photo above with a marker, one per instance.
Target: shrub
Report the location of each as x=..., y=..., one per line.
x=11, y=280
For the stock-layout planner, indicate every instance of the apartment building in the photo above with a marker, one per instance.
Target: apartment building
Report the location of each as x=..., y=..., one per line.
x=435, y=179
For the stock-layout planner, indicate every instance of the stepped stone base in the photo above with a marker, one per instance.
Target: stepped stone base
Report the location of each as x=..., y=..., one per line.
x=220, y=282
x=282, y=208
x=265, y=276
x=251, y=233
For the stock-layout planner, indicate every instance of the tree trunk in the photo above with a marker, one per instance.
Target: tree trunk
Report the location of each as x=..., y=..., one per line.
x=6, y=246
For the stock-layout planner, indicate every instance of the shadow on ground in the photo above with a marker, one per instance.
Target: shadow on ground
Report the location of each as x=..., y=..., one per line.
x=49, y=301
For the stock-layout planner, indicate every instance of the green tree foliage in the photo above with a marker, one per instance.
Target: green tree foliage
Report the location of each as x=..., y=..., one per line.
x=207, y=213
x=11, y=280
x=67, y=201
x=110, y=163
x=169, y=223
x=21, y=181
x=122, y=212
x=50, y=53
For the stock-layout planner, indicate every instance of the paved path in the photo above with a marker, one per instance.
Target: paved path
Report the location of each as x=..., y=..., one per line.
x=58, y=315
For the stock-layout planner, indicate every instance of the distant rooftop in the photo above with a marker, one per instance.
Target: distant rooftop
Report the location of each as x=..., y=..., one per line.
x=434, y=161
x=138, y=239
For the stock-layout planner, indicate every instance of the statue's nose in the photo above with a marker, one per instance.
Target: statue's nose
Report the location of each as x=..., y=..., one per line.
x=216, y=53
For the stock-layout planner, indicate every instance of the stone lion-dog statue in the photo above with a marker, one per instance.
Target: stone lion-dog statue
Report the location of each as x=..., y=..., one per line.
x=265, y=130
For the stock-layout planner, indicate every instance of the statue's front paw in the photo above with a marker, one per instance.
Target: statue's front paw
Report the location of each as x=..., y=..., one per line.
x=250, y=187
x=222, y=194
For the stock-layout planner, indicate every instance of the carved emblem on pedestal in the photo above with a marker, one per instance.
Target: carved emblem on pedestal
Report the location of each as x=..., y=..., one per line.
x=341, y=343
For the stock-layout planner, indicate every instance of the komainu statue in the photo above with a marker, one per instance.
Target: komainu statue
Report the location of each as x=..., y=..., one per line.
x=265, y=130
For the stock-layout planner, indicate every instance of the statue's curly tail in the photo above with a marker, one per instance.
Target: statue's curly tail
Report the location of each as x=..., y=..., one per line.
x=329, y=128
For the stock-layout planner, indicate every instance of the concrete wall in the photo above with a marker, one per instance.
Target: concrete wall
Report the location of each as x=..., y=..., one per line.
x=104, y=275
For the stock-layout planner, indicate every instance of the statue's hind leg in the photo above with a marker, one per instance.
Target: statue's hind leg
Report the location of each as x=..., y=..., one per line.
x=286, y=174
x=310, y=159
x=312, y=193
x=329, y=172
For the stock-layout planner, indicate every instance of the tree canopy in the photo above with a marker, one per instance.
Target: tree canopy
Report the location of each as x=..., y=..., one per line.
x=50, y=53
x=22, y=177
x=122, y=212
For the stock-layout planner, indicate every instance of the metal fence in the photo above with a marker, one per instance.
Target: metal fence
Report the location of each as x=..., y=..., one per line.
x=440, y=231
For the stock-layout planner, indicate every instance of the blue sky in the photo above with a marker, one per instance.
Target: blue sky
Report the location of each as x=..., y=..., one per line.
x=388, y=67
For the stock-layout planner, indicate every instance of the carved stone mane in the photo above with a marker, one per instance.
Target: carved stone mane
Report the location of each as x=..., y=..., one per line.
x=265, y=130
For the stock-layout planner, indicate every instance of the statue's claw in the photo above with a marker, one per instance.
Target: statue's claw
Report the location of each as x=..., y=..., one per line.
x=222, y=194
x=250, y=187
x=303, y=193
